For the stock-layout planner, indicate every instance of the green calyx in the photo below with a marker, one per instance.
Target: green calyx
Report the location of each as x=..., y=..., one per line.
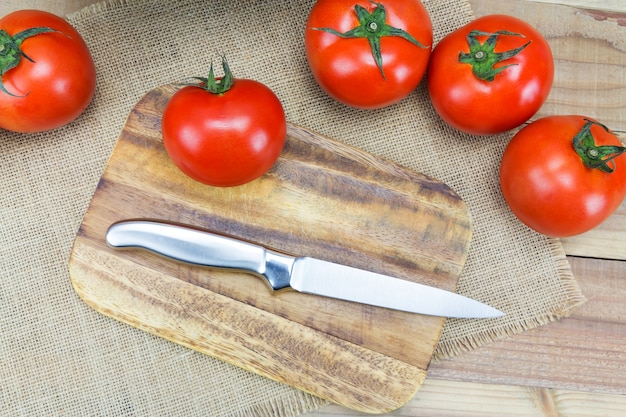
x=221, y=85
x=373, y=26
x=482, y=56
x=11, y=53
x=593, y=156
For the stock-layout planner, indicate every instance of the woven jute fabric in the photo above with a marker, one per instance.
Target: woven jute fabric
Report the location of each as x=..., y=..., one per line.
x=59, y=357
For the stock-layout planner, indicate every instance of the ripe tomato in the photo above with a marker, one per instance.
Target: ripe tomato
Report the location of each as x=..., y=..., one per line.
x=491, y=75
x=366, y=54
x=563, y=175
x=224, y=133
x=48, y=77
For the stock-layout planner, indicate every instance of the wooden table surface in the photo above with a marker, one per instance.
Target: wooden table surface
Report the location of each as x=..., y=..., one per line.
x=575, y=366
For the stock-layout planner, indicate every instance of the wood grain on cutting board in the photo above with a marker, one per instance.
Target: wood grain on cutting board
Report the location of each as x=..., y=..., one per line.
x=321, y=199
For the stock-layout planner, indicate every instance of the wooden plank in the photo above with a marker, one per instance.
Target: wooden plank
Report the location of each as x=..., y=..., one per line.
x=607, y=241
x=608, y=5
x=582, y=352
x=577, y=362
x=466, y=399
x=321, y=199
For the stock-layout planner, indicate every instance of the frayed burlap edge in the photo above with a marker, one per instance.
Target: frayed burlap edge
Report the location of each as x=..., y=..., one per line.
x=99, y=8
x=294, y=405
x=447, y=349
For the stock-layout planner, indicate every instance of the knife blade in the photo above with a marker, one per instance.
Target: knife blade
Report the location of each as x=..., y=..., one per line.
x=303, y=274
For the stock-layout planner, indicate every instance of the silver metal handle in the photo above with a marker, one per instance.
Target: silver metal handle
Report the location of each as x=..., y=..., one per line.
x=198, y=247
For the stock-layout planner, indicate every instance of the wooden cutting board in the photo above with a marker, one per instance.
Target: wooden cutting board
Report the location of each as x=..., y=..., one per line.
x=322, y=199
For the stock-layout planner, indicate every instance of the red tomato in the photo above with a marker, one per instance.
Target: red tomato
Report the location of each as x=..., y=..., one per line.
x=48, y=77
x=365, y=54
x=227, y=137
x=563, y=175
x=491, y=75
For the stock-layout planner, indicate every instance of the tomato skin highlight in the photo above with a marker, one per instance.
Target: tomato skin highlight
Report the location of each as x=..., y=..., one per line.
x=481, y=107
x=548, y=187
x=345, y=68
x=56, y=88
x=226, y=139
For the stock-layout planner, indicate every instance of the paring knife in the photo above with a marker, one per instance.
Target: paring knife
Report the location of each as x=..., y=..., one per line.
x=304, y=274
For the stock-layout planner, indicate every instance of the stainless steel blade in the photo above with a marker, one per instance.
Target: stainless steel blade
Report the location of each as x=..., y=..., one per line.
x=314, y=276
x=307, y=275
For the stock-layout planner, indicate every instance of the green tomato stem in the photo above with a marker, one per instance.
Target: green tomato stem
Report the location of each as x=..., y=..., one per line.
x=221, y=85
x=11, y=53
x=482, y=56
x=592, y=155
x=373, y=26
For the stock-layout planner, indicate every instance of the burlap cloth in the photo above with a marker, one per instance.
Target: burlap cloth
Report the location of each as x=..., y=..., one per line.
x=59, y=357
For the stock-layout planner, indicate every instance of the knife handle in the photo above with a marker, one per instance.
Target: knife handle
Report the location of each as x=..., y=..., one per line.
x=198, y=247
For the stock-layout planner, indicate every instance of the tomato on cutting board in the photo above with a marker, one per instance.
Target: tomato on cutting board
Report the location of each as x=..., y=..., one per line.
x=491, y=75
x=563, y=175
x=48, y=76
x=224, y=132
x=368, y=54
